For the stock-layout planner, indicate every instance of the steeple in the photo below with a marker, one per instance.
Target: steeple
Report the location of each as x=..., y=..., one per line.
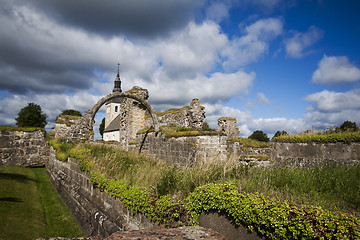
x=117, y=82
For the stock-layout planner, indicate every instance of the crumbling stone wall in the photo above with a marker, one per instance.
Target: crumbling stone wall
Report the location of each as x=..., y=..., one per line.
x=63, y=125
x=132, y=117
x=97, y=212
x=309, y=154
x=28, y=149
x=228, y=126
x=191, y=116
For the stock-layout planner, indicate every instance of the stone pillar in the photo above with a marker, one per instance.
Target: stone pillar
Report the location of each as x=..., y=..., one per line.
x=196, y=114
x=228, y=126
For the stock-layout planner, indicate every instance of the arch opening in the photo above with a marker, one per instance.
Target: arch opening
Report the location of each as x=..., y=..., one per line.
x=107, y=98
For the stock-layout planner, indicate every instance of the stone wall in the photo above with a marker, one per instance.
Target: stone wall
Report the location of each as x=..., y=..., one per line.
x=228, y=126
x=191, y=116
x=190, y=150
x=101, y=214
x=184, y=150
x=18, y=148
x=97, y=212
x=308, y=154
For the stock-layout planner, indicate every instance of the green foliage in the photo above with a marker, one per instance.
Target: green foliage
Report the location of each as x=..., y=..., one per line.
x=227, y=118
x=280, y=133
x=102, y=127
x=260, y=157
x=270, y=217
x=167, y=182
x=22, y=129
x=259, y=136
x=348, y=126
x=178, y=131
x=247, y=142
x=206, y=128
x=31, y=116
x=144, y=186
x=346, y=137
x=71, y=112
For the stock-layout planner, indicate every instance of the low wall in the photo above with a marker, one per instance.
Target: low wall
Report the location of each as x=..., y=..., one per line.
x=308, y=154
x=189, y=150
x=18, y=148
x=184, y=150
x=97, y=212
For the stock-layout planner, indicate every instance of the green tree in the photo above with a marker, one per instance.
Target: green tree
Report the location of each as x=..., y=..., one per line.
x=71, y=112
x=31, y=116
x=280, y=133
x=259, y=136
x=102, y=127
x=348, y=126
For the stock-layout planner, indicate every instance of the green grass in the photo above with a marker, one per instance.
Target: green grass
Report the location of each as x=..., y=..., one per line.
x=247, y=142
x=23, y=129
x=31, y=208
x=345, y=137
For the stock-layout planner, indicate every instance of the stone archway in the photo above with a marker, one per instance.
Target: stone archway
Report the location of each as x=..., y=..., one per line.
x=107, y=98
x=84, y=125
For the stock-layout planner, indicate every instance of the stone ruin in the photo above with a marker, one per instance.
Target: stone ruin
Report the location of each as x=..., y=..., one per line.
x=134, y=116
x=191, y=116
x=227, y=125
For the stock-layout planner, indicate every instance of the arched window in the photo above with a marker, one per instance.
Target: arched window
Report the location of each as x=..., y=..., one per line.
x=116, y=108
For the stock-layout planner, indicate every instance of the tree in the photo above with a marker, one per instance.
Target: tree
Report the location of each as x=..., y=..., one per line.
x=31, y=116
x=280, y=133
x=71, y=112
x=348, y=126
x=259, y=136
x=102, y=127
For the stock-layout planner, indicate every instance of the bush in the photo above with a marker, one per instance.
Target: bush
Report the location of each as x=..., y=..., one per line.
x=280, y=133
x=260, y=136
x=71, y=112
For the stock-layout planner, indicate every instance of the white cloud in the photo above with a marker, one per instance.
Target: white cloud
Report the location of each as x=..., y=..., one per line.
x=262, y=98
x=253, y=45
x=329, y=101
x=296, y=45
x=331, y=108
x=334, y=70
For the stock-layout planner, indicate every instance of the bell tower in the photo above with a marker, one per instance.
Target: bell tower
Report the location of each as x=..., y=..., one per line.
x=113, y=106
x=117, y=82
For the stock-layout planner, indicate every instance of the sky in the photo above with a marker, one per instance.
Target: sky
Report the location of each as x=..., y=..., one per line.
x=274, y=65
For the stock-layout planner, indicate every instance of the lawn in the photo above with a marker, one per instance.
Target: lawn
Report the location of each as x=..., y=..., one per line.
x=31, y=208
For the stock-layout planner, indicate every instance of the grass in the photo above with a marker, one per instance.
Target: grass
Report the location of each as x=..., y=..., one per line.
x=345, y=137
x=30, y=207
x=23, y=129
x=247, y=142
x=333, y=188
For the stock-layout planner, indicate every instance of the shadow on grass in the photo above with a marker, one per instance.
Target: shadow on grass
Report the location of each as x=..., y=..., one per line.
x=15, y=176
x=10, y=199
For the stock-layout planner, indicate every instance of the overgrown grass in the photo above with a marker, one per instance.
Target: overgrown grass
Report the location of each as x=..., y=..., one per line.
x=31, y=208
x=345, y=137
x=178, y=131
x=247, y=142
x=162, y=191
x=331, y=187
x=23, y=129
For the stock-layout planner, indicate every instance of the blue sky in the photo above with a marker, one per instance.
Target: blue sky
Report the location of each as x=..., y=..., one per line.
x=273, y=64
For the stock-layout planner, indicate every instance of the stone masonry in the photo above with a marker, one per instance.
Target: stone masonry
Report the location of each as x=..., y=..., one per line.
x=228, y=126
x=191, y=116
x=28, y=149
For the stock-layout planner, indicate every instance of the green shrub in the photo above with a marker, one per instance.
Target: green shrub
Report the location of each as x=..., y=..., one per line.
x=259, y=136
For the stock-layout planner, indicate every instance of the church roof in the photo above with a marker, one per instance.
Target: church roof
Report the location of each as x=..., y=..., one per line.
x=114, y=125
